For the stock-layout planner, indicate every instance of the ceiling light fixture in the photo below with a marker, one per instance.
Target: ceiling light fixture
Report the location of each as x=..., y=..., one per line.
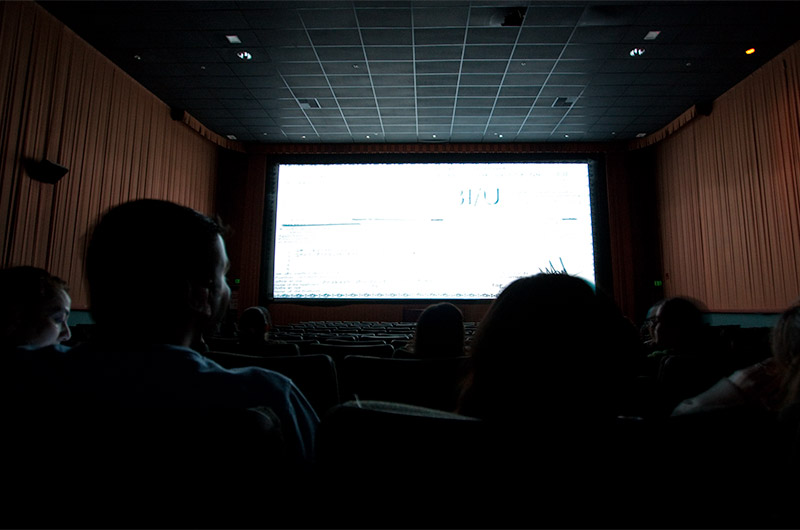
x=245, y=56
x=233, y=39
x=636, y=52
x=651, y=35
x=751, y=51
x=641, y=135
x=137, y=57
x=231, y=137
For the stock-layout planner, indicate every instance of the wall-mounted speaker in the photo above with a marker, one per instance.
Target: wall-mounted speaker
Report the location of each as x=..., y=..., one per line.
x=177, y=114
x=704, y=107
x=44, y=170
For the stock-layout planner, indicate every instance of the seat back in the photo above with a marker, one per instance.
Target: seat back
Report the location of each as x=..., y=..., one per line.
x=339, y=351
x=98, y=466
x=314, y=375
x=388, y=463
x=432, y=383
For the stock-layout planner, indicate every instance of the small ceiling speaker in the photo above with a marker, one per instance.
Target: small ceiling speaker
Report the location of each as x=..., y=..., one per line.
x=704, y=107
x=45, y=170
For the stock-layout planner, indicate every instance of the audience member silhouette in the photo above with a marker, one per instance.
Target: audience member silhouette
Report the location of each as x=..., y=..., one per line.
x=156, y=274
x=439, y=332
x=254, y=325
x=647, y=330
x=756, y=386
x=551, y=363
x=34, y=308
x=682, y=361
x=549, y=344
x=676, y=326
x=785, y=344
x=742, y=436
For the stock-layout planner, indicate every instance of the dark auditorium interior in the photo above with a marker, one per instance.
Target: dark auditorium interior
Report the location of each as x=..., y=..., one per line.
x=689, y=112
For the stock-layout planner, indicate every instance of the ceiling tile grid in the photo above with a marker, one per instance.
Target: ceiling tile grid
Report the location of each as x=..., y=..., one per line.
x=411, y=71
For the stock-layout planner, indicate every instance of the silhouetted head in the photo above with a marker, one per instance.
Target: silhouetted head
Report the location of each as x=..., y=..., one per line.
x=439, y=332
x=34, y=308
x=156, y=272
x=677, y=323
x=255, y=323
x=548, y=344
x=785, y=343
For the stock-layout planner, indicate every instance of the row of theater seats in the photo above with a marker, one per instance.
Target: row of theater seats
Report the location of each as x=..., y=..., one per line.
x=327, y=380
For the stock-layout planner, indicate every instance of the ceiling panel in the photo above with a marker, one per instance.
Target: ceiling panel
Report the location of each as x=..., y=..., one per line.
x=464, y=71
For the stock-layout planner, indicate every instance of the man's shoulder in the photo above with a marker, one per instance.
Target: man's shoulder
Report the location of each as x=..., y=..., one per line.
x=254, y=372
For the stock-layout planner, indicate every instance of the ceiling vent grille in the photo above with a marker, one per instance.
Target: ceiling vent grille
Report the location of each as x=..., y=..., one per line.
x=563, y=102
x=311, y=103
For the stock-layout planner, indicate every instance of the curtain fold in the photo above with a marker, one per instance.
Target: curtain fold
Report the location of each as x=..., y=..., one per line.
x=61, y=100
x=729, y=198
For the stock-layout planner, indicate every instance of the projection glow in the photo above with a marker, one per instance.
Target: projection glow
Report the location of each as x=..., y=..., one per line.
x=427, y=231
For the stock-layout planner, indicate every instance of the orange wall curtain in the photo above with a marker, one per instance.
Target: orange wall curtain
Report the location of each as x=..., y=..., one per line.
x=729, y=196
x=63, y=101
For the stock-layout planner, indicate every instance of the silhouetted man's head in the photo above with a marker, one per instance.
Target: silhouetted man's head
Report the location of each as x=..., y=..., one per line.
x=157, y=270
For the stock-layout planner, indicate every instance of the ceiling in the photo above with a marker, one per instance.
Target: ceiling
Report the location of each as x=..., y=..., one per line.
x=434, y=71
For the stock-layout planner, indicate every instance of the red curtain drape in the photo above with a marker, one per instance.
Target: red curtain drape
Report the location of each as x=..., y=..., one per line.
x=63, y=101
x=729, y=196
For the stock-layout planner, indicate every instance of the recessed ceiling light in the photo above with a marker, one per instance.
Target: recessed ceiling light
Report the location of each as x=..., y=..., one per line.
x=231, y=137
x=245, y=56
x=751, y=51
x=137, y=57
x=641, y=135
x=367, y=137
x=636, y=52
x=233, y=39
x=651, y=35
x=433, y=135
x=566, y=136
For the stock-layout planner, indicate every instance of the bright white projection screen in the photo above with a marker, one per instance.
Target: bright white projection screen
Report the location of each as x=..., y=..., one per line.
x=430, y=230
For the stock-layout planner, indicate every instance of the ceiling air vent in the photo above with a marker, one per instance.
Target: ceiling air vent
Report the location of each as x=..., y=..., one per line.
x=311, y=103
x=563, y=102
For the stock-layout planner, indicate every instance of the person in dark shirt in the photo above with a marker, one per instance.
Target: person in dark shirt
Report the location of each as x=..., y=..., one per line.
x=146, y=421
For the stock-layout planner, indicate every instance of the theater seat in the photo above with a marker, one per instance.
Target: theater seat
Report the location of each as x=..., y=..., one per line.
x=339, y=351
x=98, y=466
x=389, y=465
x=429, y=383
x=314, y=375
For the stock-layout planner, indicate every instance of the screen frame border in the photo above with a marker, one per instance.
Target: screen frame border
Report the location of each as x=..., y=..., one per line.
x=598, y=201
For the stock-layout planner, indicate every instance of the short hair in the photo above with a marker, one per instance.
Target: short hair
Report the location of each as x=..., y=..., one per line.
x=25, y=289
x=255, y=319
x=141, y=255
x=439, y=331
